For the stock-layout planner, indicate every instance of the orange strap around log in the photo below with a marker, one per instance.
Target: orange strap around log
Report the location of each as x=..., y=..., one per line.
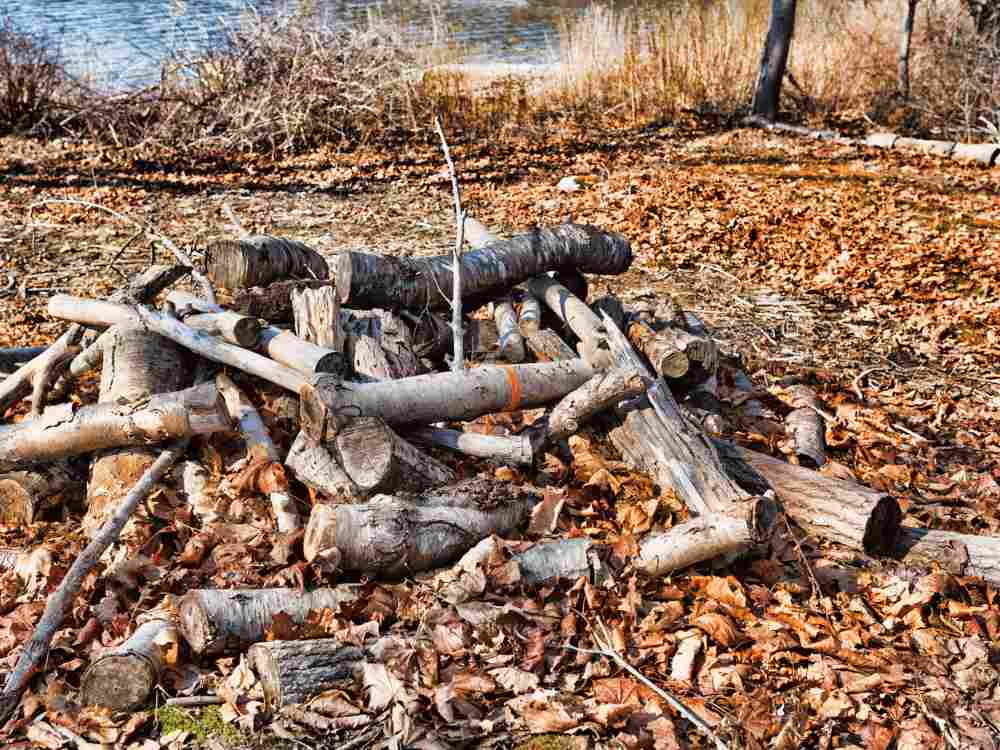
x=515, y=388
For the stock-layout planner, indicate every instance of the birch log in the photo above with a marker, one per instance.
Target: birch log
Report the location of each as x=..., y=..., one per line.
x=511, y=341
x=24, y=495
x=580, y=319
x=260, y=259
x=394, y=536
x=215, y=621
x=123, y=678
x=64, y=431
x=806, y=427
x=548, y=346
x=32, y=377
x=601, y=392
x=294, y=671
x=314, y=465
x=230, y=326
x=518, y=450
x=328, y=404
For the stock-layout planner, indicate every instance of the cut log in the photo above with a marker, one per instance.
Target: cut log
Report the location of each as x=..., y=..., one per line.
x=260, y=259
x=806, y=427
x=123, y=678
x=24, y=495
x=548, y=346
x=317, y=317
x=231, y=326
x=379, y=460
x=374, y=281
x=136, y=365
x=327, y=404
x=848, y=513
x=580, y=319
x=511, y=341
x=380, y=345
x=64, y=431
x=959, y=554
x=601, y=392
x=703, y=352
x=548, y=562
x=529, y=314
x=215, y=621
x=665, y=349
x=314, y=465
x=518, y=450
x=295, y=671
x=394, y=536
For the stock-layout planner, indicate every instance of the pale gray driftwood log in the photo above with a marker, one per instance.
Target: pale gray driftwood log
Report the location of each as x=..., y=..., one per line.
x=230, y=326
x=601, y=392
x=548, y=346
x=261, y=259
x=580, y=319
x=519, y=450
x=960, y=554
x=295, y=671
x=123, y=677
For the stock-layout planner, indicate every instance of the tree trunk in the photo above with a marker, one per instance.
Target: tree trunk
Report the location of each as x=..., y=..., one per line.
x=379, y=460
x=317, y=317
x=314, y=465
x=518, y=450
x=904, y=49
x=774, y=60
x=394, y=536
x=123, y=678
x=548, y=346
x=25, y=494
x=215, y=621
x=137, y=364
x=580, y=319
x=259, y=260
x=959, y=554
x=64, y=431
x=295, y=671
x=511, y=341
x=807, y=428
x=601, y=392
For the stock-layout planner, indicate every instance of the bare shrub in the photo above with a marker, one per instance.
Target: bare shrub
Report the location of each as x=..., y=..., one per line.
x=30, y=77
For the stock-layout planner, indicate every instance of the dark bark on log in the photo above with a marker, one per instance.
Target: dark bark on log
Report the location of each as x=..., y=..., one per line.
x=614, y=308
x=379, y=460
x=601, y=392
x=24, y=495
x=394, y=536
x=959, y=554
x=13, y=358
x=216, y=621
x=230, y=326
x=548, y=346
x=328, y=404
x=580, y=319
x=123, y=678
x=295, y=671
x=259, y=260
x=806, y=428
x=904, y=49
x=518, y=450
x=317, y=317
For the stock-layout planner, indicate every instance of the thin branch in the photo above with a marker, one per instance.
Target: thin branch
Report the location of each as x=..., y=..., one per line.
x=458, y=362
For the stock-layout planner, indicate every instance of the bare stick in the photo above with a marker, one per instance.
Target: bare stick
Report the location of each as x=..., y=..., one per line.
x=61, y=600
x=456, y=289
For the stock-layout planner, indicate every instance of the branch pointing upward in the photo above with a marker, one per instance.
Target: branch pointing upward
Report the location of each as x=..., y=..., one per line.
x=456, y=263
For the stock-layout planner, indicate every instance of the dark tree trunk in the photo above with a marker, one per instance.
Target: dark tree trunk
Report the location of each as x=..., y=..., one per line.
x=774, y=59
x=985, y=14
x=904, y=49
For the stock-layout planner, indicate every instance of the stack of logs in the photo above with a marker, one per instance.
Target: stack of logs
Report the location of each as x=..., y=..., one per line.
x=361, y=343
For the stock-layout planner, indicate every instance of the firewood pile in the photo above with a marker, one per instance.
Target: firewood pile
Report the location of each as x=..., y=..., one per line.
x=397, y=459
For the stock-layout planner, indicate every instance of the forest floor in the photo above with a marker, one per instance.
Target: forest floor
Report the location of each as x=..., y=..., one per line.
x=873, y=276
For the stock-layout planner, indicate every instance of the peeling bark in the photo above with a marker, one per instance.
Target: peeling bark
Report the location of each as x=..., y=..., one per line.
x=258, y=260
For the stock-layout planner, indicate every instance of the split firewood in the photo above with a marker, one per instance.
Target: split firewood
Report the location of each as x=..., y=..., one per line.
x=314, y=465
x=217, y=621
x=959, y=554
x=380, y=345
x=806, y=427
x=137, y=364
x=328, y=403
x=511, y=341
x=601, y=392
x=548, y=346
x=124, y=677
x=65, y=430
x=845, y=512
x=317, y=317
x=578, y=317
x=294, y=671
x=519, y=450
x=24, y=495
x=261, y=259
x=393, y=536
x=380, y=461
x=375, y=281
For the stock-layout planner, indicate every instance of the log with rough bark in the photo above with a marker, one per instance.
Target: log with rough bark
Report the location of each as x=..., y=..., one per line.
x=24, y=495
x=432, y=337
x=806, y=427
x=230, y=326
x=123, y=677
x=703, y=351
x=511, y=341
x=328, y=404
x=380, y=346
x=374, y=281
x=294, y=671
x=317, y=317
x=380, y=461
x=394, y=536
x=844, y=512
x=601, y=392
x=215, y=621
x=315, y=465
x=137, y=364
x=959, y=554
x=665, y=349
x=65, y=430
x=548, y=346
x=519, y=450
x=580, y=319
x=260, y=259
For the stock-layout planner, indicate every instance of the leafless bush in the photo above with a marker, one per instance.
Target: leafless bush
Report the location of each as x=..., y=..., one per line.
x=30, y=77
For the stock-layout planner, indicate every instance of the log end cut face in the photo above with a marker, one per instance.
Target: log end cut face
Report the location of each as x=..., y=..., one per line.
x=884, y=527
x=17, y=506
x=120, y=682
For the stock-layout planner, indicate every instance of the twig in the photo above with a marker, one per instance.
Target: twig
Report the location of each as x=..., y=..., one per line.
x=861, y=376
x=193, y=701
x=36, y=650
x=813, y=583
x=458, y=362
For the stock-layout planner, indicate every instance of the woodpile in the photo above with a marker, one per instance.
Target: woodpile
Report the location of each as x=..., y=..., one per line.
x=395, y=461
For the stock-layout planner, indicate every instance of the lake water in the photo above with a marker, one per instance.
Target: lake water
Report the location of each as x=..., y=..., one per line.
x=122, y=41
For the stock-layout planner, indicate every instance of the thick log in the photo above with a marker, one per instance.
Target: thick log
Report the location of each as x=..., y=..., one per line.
x=64, y=431
x=511, y=341
x=848, y=513
x=394, y=536
x=106, y=314
x=379, y=460
x=580, y=319
x=317, y=317
x=327, y=404
x=518, y=450
x=548, y=346
x=15, y=357
x=601, y=392
x=123, y=678
x=703, y=351
x=216, y=621
x=666, y=349
x=24, y=495
x=314, y=465
x=295, y=671
x=806, y=427
x=136, y=365
x=231, y=326
x=380, y=346
x=260, y=259
x=374, y=281
x=959, y=554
